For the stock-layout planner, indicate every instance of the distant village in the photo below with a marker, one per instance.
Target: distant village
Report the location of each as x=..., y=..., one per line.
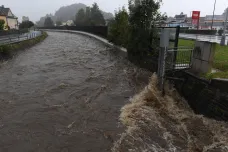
x=216, y=22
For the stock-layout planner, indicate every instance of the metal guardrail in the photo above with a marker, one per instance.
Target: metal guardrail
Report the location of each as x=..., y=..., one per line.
x=14, y=38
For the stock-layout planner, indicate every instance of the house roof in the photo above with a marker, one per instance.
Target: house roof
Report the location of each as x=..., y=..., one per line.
x=4, y=11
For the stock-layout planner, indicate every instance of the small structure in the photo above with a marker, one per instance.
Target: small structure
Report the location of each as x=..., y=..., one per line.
x=25, y=18
x=178, y=20
x=10, y=19
x=69, y=23
x=218, y=21
x=203, y=56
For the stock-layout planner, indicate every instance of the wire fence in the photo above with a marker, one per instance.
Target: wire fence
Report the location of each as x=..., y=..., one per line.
x=14, y=38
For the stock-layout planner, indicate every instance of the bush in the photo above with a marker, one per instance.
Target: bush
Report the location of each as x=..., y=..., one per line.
x=143, y=38
x=26, y=24
x=2, y=24
x=118, y=28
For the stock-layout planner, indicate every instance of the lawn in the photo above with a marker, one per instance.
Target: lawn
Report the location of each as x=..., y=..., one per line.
x=220, y=61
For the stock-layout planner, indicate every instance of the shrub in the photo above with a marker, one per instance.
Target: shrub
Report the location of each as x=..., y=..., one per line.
x=143, y=39
x=118, y=28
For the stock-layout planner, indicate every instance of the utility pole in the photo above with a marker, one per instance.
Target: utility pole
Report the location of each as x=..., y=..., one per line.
x=213, y=15
x=223, y=40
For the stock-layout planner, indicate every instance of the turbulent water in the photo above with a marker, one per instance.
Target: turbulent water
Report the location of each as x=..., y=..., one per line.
x=166, y=124
x=66, y=95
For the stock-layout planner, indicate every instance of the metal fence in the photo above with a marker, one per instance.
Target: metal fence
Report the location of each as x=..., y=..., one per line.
x=13, y=38
x=178, y=58
x=13, y=32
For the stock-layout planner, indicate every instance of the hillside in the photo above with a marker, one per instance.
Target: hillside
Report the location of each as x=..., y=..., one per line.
x=66, y=13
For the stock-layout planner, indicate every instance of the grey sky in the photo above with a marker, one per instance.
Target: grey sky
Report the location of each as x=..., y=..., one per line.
x=36, y=9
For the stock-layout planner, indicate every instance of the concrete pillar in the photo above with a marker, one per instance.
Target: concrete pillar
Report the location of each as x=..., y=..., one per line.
x=203, y=56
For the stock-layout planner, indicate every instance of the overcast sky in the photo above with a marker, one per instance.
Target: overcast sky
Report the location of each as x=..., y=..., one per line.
x=36, y=9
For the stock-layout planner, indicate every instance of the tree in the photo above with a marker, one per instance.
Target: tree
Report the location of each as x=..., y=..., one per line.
x=2, y=24
x=88, y=16
x=97, y=18
x=58, y=23
x=143, y=18
x=80, y=18
x=26, y=24
x=48, y=22
x=118, y=28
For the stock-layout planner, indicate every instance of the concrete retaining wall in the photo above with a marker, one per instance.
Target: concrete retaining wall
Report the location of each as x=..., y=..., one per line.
x=209, y=98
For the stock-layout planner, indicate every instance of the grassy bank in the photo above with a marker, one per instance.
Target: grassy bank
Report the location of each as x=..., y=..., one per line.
x=220, y=61
x=8, y=50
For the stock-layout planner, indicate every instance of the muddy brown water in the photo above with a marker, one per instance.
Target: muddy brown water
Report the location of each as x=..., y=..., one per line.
x=65, y=95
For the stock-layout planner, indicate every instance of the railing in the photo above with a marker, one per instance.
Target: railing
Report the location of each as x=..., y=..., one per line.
x=13, y=32
x=9, y=39
x=179, y=58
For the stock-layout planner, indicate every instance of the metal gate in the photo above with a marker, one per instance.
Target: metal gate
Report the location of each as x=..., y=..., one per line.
x=171, y=59
x=178, y=58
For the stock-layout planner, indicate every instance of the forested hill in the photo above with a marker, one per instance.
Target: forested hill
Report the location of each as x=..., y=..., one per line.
x=66, y=13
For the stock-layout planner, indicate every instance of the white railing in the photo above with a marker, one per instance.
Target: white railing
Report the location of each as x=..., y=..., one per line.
x=9, y=39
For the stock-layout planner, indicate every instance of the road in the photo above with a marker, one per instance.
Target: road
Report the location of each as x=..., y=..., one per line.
x=65, y=95
x=209, y=38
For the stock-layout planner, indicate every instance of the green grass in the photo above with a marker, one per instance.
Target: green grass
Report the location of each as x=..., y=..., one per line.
x=183, y=57
x=220, y=60
x=216, y=75
x=221, y=54
x=186, y=43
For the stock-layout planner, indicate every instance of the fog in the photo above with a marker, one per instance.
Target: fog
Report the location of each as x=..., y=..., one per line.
x=37, y=9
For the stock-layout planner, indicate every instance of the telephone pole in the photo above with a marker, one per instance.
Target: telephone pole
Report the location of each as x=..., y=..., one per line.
x=213, y=15
x=223, y=40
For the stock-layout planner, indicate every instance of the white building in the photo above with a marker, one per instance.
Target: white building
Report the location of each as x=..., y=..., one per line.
x=25, y=18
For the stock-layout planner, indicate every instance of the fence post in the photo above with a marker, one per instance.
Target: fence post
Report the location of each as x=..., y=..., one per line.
x=176, y=45
x=164, y=44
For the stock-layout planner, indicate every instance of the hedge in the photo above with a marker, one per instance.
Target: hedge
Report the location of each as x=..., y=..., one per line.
x=203, y=32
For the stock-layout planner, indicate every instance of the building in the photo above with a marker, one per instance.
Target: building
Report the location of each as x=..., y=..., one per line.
x=25, y=18
x=11, y=21
x=215, y=22
x=69, y=23
x=218, y=22
x=178, y=20
x=182, y=18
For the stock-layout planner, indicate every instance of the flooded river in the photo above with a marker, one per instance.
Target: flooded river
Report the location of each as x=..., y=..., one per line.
x=65, y=94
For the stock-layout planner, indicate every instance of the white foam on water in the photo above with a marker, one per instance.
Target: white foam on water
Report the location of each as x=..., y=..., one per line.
x=157, y=123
